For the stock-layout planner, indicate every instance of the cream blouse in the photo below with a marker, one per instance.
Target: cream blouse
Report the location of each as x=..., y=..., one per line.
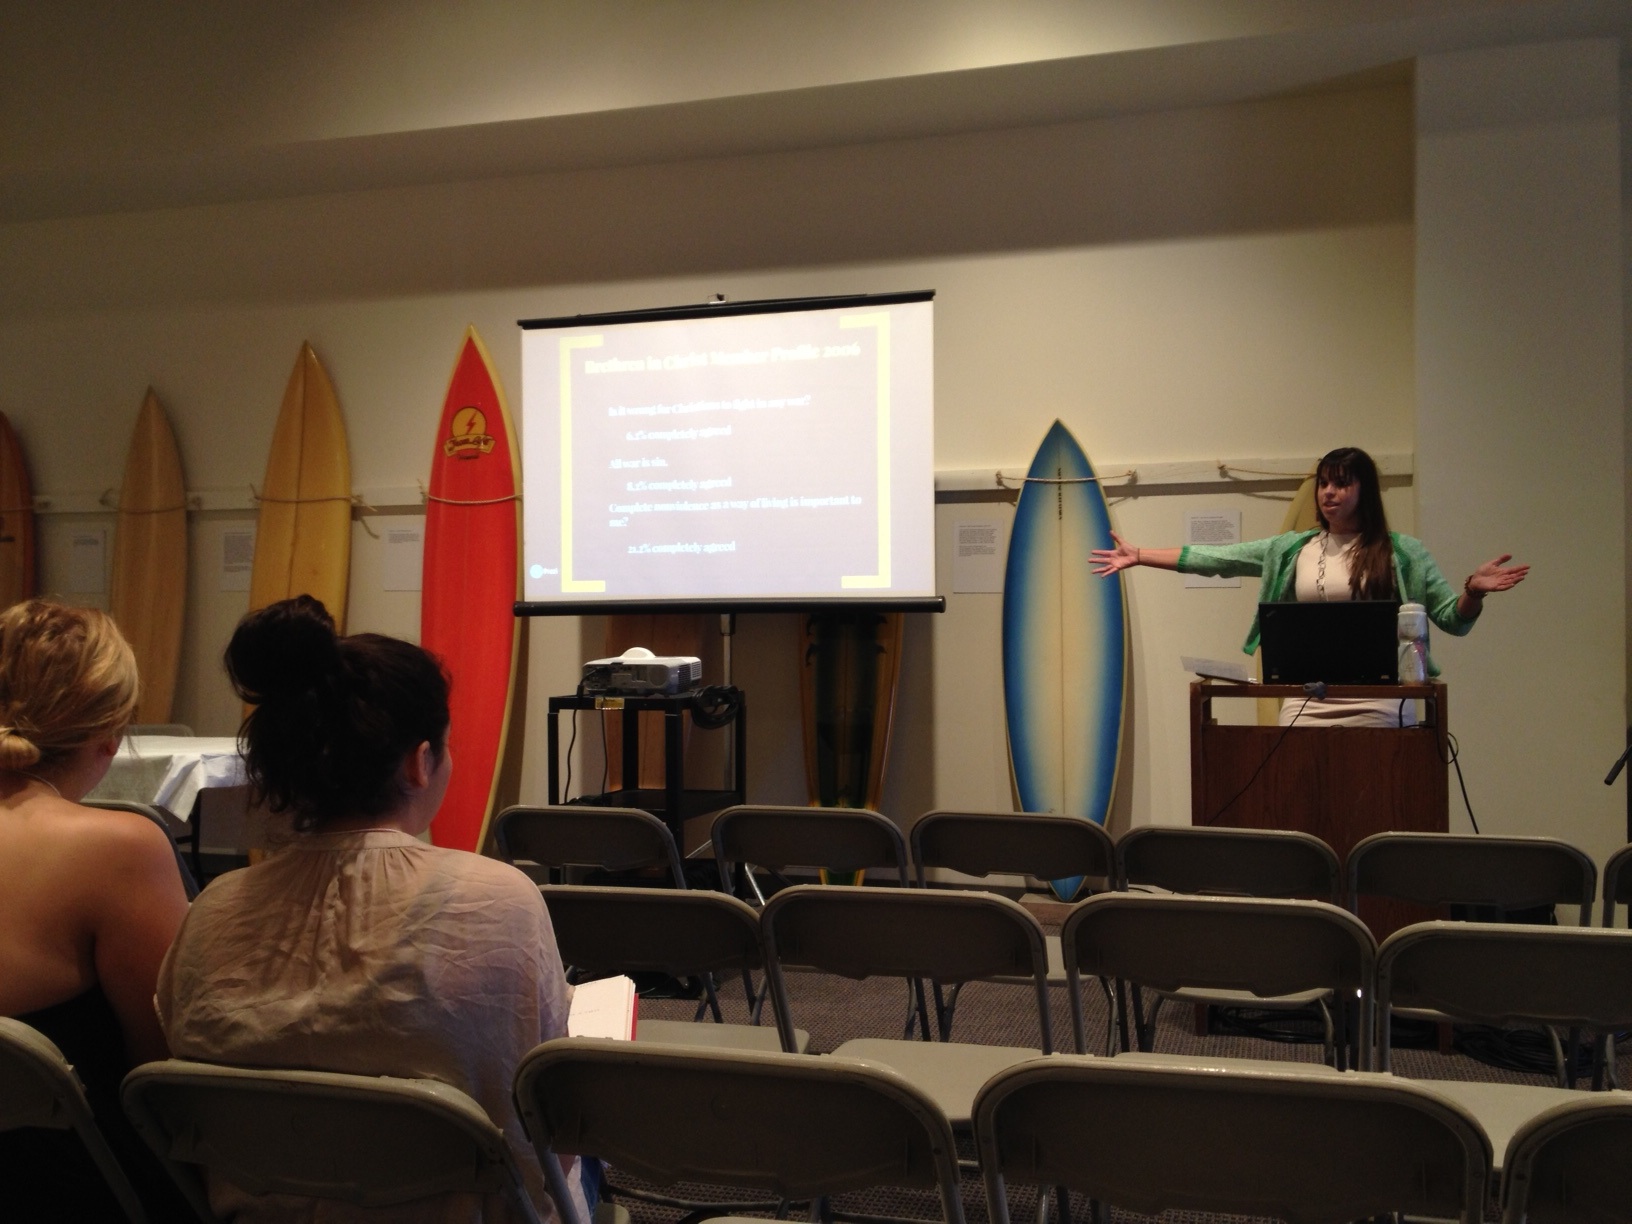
x=373, y=953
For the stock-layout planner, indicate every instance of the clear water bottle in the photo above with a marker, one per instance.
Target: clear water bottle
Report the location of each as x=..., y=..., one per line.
x=1412, y=632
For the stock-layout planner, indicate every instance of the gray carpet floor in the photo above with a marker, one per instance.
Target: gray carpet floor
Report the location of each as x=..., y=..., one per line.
x=834, y=1010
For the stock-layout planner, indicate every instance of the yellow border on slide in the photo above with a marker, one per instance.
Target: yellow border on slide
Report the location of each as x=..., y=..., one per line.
x=881, y=321
x=568, y=582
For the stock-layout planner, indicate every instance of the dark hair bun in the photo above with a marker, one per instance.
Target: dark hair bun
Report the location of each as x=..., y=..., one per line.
x=284, y=650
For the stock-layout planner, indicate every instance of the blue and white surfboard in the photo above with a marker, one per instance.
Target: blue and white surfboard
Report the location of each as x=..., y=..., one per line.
x=1064, y=643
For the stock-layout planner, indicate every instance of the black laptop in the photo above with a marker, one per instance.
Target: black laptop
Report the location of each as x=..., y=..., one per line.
x=1352, y=642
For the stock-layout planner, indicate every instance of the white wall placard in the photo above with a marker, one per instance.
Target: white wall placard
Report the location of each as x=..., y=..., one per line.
x=1211, y=527
x=237, y=559
x=978, y=555
x=88, y=561
x=404, y=564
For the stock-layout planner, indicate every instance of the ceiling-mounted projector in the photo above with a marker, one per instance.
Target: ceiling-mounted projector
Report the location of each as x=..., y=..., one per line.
x=637, y=672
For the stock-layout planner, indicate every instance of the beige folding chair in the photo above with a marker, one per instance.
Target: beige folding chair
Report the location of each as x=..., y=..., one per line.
x=39, y=1089
x=785, y=1124
x=1569, y=1164
x=365, y=1140
x=1618, y=884
x=1504, y=974
x=682, y=934
x=949, y=937
x=587, y=835
x=1229, y=863
x=1503, y=873
x=1281, y=1143
x=777, y=838
x=1264, y=947
x=1037, y=844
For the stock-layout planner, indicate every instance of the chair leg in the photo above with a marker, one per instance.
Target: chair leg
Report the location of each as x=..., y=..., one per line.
x=1121, y=1011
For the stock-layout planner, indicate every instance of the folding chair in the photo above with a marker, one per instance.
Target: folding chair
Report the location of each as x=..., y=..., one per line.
x=1038, y=844
x=663, y=930
x=1231, y=863
x=1569, y=1164
x=1265, y=947
x=1502, y=873
x=949, y=937
x=586, y=835
x=1503, y=974
x=786, y=1124
x=1281, y=1143
x=777, y=838
x=39, y=1089
x=1618, y=884
x=365, y=1140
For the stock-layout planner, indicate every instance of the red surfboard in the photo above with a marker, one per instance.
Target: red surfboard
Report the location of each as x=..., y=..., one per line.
x=471, y=582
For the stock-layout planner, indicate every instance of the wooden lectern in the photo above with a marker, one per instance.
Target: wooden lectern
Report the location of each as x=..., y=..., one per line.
x=1340, y=783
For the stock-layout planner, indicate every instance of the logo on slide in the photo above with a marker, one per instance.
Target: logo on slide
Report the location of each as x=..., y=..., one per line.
x=469, y=438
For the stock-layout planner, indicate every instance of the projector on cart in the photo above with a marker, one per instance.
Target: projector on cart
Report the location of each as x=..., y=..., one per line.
x=637, y=672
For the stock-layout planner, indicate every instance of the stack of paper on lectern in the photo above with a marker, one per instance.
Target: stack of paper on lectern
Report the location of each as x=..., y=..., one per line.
x=604, y=1008
x=1219, y=669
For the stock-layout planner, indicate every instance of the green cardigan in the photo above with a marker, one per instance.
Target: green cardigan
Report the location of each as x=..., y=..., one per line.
x=1276, y=557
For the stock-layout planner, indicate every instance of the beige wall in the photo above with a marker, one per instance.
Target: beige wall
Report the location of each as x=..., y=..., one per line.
x=1521, y=413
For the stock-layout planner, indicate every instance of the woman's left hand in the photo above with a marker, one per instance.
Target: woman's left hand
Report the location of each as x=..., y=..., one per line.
x=1496, y=575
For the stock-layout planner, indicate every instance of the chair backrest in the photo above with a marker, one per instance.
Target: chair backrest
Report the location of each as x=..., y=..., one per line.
x=652, y=930
x=1268, y=946
x=1292, y=1145
x=839, y=839
x=1618, y=884
x=39, y=1089
x=1502, y=973
x=1569, y=1164
x=178, y=730
x=1467, y=869
x=949, y=936
x=147, y=811
x=790, y=1124
x=588, y=835
x=1038, y=844
x=366, y=1140
x=1230, y=862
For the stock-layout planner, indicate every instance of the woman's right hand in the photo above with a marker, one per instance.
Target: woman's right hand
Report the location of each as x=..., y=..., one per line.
x=1107, y=561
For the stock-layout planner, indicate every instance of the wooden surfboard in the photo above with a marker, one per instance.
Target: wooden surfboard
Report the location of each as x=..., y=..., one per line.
x=148, y=595
x=1064, y=643
x=17, y=577
x=303, y=532
x=472, y=578
x=850, y=667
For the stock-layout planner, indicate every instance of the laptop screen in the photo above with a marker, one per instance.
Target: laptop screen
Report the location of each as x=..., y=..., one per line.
x=1352, y=642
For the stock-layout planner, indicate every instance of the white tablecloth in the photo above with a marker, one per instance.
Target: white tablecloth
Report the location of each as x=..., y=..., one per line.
x=170, y=771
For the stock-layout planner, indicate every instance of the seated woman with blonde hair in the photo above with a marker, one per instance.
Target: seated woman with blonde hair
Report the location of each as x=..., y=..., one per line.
x=89, y=899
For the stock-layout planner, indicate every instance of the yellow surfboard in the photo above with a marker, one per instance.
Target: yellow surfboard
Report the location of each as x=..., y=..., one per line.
x=16, y=520
x=148, y=597
x=303, y=534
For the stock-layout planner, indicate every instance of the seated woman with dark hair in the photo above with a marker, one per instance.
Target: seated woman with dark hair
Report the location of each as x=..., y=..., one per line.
x=360, y=948
x=89, y=901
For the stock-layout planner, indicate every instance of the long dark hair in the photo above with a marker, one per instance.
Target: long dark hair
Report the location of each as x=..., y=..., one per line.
x=1371, y=568
x=334, y=716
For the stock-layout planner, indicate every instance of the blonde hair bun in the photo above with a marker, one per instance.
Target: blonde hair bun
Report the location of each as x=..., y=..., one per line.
x=67, y=679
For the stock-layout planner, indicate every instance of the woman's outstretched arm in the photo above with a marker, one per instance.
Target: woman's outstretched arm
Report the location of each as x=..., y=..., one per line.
x=1107, y=561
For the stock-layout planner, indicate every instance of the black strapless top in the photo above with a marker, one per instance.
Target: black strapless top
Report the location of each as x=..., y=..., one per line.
x=46, y=1174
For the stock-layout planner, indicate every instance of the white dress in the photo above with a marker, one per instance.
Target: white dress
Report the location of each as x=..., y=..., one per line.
x=372, y=953
x=1310, y=586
